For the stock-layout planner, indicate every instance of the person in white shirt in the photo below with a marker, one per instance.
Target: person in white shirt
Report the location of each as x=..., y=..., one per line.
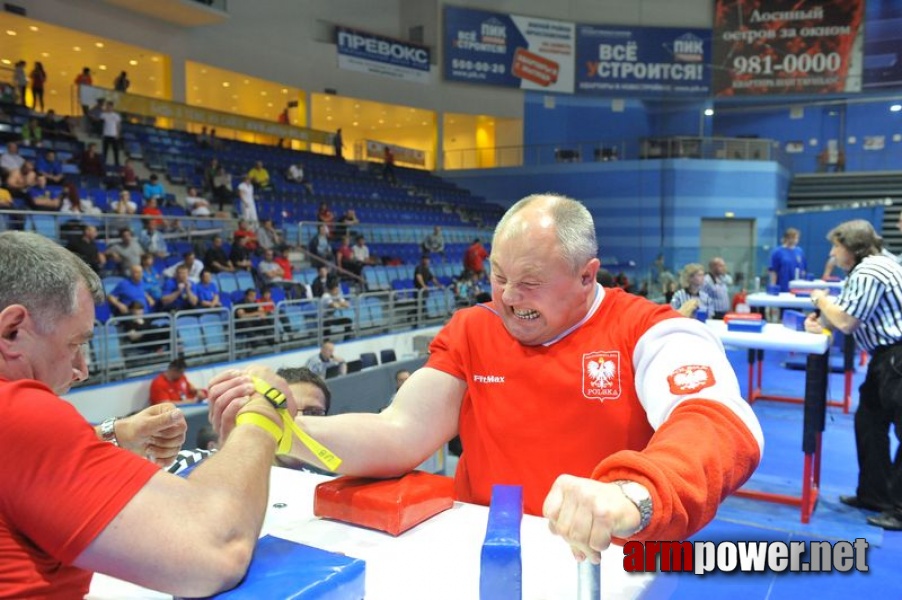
x=361, y=251
x=248, y=205
x=197, y=206
x=112, y=125
x=194, y=265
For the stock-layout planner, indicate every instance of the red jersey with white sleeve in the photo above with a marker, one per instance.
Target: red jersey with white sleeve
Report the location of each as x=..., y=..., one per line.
x=60, y=486
x=634, y=391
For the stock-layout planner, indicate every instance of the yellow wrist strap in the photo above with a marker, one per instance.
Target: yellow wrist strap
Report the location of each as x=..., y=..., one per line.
x=262, y=422
x=278, y=400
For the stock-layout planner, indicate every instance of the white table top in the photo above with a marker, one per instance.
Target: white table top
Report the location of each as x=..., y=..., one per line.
x=773, y=337
x=439, y=559
x=781, y=300
x=817, y=284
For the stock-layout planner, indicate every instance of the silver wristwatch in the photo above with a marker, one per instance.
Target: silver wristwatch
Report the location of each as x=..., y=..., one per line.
x=108, y=431
x=638, y=495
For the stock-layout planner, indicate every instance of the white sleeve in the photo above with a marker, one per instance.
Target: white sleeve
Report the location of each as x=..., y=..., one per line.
x=681, y=359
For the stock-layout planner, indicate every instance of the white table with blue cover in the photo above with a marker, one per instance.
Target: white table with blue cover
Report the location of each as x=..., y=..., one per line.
x=438, y=559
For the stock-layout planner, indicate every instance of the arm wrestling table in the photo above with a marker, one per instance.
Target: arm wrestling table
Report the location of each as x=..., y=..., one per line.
x=788, y=300
x=816, y=284
x=816, y=346
x=438, y=559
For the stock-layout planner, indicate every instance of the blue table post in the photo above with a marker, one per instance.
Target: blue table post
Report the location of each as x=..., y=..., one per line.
x=501, y=567
x=589, y=587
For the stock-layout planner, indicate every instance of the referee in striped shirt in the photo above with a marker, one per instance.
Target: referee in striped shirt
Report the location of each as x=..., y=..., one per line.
x=870, y=308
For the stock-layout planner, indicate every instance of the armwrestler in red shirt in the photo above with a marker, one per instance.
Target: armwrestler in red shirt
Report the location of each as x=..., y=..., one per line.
x=71, y=503
x=619, y=417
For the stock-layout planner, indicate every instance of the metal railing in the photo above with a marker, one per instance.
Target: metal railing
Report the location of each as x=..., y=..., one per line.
x=130, y=346
x=612, y=150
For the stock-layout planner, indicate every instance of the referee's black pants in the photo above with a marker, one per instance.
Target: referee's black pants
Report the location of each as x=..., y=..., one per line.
x=879, y=406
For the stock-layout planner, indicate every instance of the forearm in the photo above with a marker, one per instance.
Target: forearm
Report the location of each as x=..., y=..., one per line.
x=379, y=447
x=835, y=317
x=700, y=455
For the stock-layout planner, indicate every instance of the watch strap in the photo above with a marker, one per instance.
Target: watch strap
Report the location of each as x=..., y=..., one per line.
x=108, y=431
x=639, y=496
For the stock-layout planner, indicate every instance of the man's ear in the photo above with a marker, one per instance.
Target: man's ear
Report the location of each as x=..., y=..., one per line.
x=12, y=320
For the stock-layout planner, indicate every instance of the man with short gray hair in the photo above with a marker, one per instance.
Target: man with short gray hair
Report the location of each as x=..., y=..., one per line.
x=71, y=502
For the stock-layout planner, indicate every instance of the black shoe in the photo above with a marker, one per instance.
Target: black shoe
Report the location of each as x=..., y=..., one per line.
x=889, y=521
x=856, y=502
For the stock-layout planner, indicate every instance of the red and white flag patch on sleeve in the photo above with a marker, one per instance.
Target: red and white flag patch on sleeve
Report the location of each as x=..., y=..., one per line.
x=690, y=379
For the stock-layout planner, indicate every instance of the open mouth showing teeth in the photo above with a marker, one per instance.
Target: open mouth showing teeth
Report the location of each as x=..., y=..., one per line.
x=526, y=315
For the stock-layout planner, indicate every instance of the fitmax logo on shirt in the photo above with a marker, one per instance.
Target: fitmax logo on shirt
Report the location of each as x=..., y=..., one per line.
x=488, y=378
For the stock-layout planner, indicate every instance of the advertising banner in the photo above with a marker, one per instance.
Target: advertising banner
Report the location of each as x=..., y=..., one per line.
x=633, y=61
x=509, y=50
x=787, y=47
x=377, y=55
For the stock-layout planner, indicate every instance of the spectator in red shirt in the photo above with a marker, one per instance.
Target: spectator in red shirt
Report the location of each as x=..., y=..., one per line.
x=172, y=386
x=474, y=258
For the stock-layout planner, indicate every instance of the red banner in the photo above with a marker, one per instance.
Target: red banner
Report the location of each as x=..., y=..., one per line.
x=787, y=46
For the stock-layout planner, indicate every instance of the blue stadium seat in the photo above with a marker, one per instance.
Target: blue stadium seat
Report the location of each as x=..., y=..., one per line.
x=190, y=336
x=214, y=332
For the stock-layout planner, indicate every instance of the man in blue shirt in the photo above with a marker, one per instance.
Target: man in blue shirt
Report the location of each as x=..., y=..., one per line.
x=130, y=290
x=787, y=262
x=50, y=167
x=179, y=293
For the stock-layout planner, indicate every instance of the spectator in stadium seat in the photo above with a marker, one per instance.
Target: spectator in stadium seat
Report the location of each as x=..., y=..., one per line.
x=11, y=160
x=172, y=385
x=104, y=498
x=194, y=265
x=207, y=291
x=85, y=247
x=179, y=292
x=90, y=163
x=154, y=189
x=324, y=215
x=345, y=222
x=319, y=245
x=39, y=197
x=434, y=243
x=153, y=277
x=296, y=174
x=197, y=206
x=240, y=255
x=361, y=252
x=324, y=281
x=50, y=167
x=259, y=177
x=246, y=230
x=151, y=208
x=126, y=252
x=131, y=289
x=344, y=257
x=152, y=240
x=215, y=259
x=268, y=237
x=268, y=270
x=423, y=276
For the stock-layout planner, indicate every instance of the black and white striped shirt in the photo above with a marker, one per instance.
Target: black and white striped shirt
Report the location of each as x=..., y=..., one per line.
x=682, y=296
x=873, y=295
x=718, y=290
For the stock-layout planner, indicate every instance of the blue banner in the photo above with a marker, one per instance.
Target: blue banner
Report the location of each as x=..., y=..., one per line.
x=636, y=61
x=508, y=50
x=378, y=55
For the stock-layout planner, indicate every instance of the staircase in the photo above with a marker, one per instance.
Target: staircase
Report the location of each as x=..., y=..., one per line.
x=817, y=190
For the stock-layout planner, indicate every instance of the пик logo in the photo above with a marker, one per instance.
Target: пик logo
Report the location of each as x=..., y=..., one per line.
x=493, y=31
x=688, y=48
